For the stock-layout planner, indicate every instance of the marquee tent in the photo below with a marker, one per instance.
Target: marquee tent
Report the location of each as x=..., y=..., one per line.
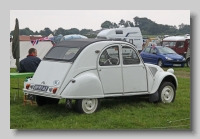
x=41, y=46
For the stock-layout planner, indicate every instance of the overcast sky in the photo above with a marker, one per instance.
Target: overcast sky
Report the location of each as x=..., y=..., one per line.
x=91, y=19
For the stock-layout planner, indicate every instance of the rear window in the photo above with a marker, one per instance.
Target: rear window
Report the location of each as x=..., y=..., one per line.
x=61, y=53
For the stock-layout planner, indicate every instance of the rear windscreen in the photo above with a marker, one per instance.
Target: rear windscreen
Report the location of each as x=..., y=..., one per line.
x=61, y=53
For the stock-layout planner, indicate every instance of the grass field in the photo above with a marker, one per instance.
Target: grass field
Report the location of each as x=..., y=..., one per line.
x=133, y=113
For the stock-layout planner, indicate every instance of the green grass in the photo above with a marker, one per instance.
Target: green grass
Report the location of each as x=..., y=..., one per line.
x=132, y=113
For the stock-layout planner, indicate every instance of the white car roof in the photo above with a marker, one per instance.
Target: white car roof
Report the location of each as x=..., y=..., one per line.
x=176, y=38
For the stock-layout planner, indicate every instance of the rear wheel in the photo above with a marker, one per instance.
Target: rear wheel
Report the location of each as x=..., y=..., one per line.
x=166, y=92
x=52, y=101
x=41, y=100
x=160, y=62
x=87, y=106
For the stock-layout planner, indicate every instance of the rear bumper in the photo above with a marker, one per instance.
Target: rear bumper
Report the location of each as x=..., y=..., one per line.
x=45, y=94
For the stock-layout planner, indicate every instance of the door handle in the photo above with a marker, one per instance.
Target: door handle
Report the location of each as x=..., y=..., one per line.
x=99, y=69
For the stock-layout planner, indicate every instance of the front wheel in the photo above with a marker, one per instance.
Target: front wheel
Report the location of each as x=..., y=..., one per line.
x=188, y=62
x=87, y=106
x=160, y=62
x=166, y=92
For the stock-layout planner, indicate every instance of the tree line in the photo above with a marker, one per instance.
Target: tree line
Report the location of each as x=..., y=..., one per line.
x=146, y=26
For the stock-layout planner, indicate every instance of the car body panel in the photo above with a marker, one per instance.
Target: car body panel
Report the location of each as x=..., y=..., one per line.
x=84, y=77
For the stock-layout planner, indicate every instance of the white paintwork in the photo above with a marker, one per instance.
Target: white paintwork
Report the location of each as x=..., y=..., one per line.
x=170, y=70
x=176, y=38
x=111, y=78
x=94, y=81
x=134, y=78
x=160, y=75
x=49, y=71
x=134, y=34
x=87, y=85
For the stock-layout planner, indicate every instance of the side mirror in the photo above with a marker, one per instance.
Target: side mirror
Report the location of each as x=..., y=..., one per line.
x=154, y=53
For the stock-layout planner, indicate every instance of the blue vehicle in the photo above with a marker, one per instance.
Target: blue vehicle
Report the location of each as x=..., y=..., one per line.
x=162, y=56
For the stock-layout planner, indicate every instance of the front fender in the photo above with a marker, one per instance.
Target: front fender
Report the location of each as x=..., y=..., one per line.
x=163, y=76
x=85, y=85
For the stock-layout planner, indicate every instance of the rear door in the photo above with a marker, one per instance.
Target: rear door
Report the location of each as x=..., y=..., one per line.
x=133, y=71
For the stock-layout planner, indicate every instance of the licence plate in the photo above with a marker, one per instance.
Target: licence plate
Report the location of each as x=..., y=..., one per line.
x=176, y=64
x=40, y=87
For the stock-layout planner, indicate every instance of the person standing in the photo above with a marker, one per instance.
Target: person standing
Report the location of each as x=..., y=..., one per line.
x=31, y=62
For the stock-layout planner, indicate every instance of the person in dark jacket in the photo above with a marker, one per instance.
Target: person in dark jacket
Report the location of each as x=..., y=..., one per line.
x=31, y=62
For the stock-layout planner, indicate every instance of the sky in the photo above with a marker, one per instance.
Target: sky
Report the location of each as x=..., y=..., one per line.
x=37, y=20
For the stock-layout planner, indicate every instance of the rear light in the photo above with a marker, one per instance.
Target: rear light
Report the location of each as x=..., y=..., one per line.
x=27, y=86
x=54, y=90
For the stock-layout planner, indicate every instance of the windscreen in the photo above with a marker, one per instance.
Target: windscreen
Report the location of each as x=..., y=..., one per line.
x=61, y=53
x=166, y=50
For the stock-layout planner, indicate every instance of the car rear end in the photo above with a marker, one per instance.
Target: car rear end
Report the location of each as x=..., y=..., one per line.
x=51, y=72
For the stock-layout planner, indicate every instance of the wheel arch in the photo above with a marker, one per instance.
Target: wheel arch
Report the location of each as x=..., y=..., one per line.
x=160, y=78
x=171, y=79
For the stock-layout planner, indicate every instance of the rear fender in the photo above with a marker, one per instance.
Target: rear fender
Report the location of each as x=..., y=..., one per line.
x=85, y=85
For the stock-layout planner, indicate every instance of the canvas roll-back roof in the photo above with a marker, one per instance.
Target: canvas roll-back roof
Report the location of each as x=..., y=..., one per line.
x=74, y=43
x=81, y=43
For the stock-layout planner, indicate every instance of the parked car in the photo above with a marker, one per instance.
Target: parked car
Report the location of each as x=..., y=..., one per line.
x=87, y=70
x=162, y=56
x=178, y=43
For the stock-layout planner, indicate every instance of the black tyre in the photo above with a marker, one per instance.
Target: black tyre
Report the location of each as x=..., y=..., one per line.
x=52, y=101
x=160, y=63
x=188, y=62
x=87, y=106
x=41, y=100
x=166, y=92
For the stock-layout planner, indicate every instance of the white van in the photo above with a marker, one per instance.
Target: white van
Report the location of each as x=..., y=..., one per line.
x=132, y=35
x=87, y=70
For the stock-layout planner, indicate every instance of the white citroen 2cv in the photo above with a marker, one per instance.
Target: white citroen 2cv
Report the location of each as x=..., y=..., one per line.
x=86, y=70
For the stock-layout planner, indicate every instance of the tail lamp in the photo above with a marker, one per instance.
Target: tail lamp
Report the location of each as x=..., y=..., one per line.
x=54, y=90
x=27, y=86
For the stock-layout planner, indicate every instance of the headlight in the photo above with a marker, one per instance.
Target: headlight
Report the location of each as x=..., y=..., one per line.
x=168, y=58
x=183, y=59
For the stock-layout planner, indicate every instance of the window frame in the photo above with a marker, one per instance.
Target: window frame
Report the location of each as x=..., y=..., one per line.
x=133, y=50
x=107, y=54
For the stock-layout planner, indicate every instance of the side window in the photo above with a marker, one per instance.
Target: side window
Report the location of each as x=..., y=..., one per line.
x=110, y=57
x=129, y=56
x=153, y=50
x=147, y=49
x=180, y=44
x=172, y=44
